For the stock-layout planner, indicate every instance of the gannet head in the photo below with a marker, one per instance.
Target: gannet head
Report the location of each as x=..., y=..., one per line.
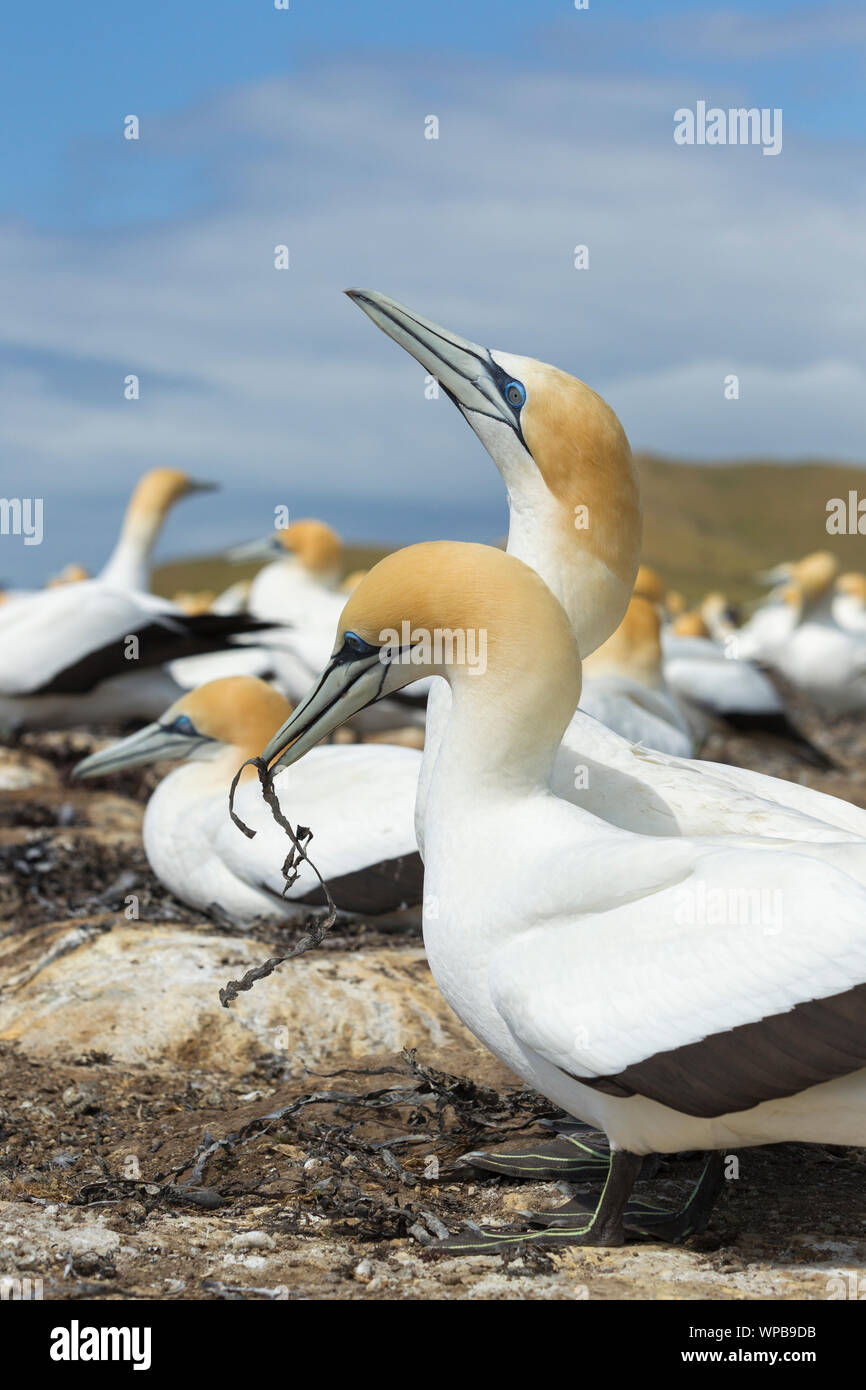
x=238, y=712
x=635, y=649
x=70, y=574
x=194, y=601
x=649, y=584
x=813, y=575
x=462, y=611
x=690, y=624
x=309, y=544
x=156, y=492
x=853, y=585
x=349, y=584
x=562, y=453
x=720, y=616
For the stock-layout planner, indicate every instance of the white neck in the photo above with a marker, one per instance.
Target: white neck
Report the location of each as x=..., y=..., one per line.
x=543, y=537
x=129, y=564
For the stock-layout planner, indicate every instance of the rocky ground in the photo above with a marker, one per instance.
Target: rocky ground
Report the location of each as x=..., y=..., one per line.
x=305, y=1143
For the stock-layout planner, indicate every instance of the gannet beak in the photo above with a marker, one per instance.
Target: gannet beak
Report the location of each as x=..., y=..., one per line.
x=347, y=685
x=263, y=549
x=154, y=743
x=779, y=574
x=464, y=369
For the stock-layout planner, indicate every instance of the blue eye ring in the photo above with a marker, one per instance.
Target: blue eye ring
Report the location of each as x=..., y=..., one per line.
x=515, y=394
x=355, y=643
x=183, y=725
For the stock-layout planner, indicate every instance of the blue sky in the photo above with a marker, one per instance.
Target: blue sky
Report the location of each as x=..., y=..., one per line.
x=306, y=127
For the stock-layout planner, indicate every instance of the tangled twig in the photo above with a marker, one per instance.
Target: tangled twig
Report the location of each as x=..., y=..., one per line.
x=291, y=868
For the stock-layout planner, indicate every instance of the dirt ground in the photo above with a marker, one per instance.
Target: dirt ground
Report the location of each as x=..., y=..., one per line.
x=305, y=1144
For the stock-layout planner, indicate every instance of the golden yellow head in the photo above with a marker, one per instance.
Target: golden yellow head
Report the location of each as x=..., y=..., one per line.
x=315, y=544
x=241, y=711
x=194, y=601
x=853, y=584
x=70, y=574
x=157, y=491
x=352, y=580
x=690, y=625
x=634, y=649
x=562, y=452
x=649, y=584
x=456, y=586
x=815, y=573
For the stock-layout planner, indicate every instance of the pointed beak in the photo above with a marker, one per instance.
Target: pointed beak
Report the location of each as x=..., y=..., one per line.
x=464, y=369
x=266, y=548
x=779, y=574
x=344, y=688
x=152, y=744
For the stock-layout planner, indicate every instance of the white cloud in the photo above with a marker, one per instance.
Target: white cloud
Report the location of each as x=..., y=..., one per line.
x=702, y=261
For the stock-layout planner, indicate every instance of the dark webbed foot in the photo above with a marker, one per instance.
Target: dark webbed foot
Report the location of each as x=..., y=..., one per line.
x=601, y=1224
x=612, y=1220
x=580, y=1156
x=579, y=1153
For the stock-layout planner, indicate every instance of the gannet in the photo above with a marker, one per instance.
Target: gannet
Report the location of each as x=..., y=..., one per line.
x=70, y=574
x=625, y=689
x=649, y=584
x=567, y=466
x=302, y=576
x=357, y=799
x=92, y=652
x=299, y=588
x=718, y=688
x=155, y=493
x=677, y=992
x=849, y=601
x=568, y=451
x=798, y=634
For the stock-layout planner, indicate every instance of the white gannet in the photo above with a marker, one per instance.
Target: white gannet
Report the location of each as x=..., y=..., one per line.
x=849, y=601
x=357, y=799
x=625, y=689
x=677, y=992
x=716, y=687
x=798, y=634
x=573, y=496
x=300, y=582
x=153, y=497
x=299, y=588
x=91, y=652
x=559, y=446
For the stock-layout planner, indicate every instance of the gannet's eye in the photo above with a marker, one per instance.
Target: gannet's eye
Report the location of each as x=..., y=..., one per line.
x=183, y=725
x=355, y=643
x=515, y=394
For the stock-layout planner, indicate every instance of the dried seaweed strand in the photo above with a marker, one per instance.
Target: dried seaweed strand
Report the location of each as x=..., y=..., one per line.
x=296, y=856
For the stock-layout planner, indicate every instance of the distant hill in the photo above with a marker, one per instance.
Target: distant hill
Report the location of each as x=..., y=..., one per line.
x=705, y=525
